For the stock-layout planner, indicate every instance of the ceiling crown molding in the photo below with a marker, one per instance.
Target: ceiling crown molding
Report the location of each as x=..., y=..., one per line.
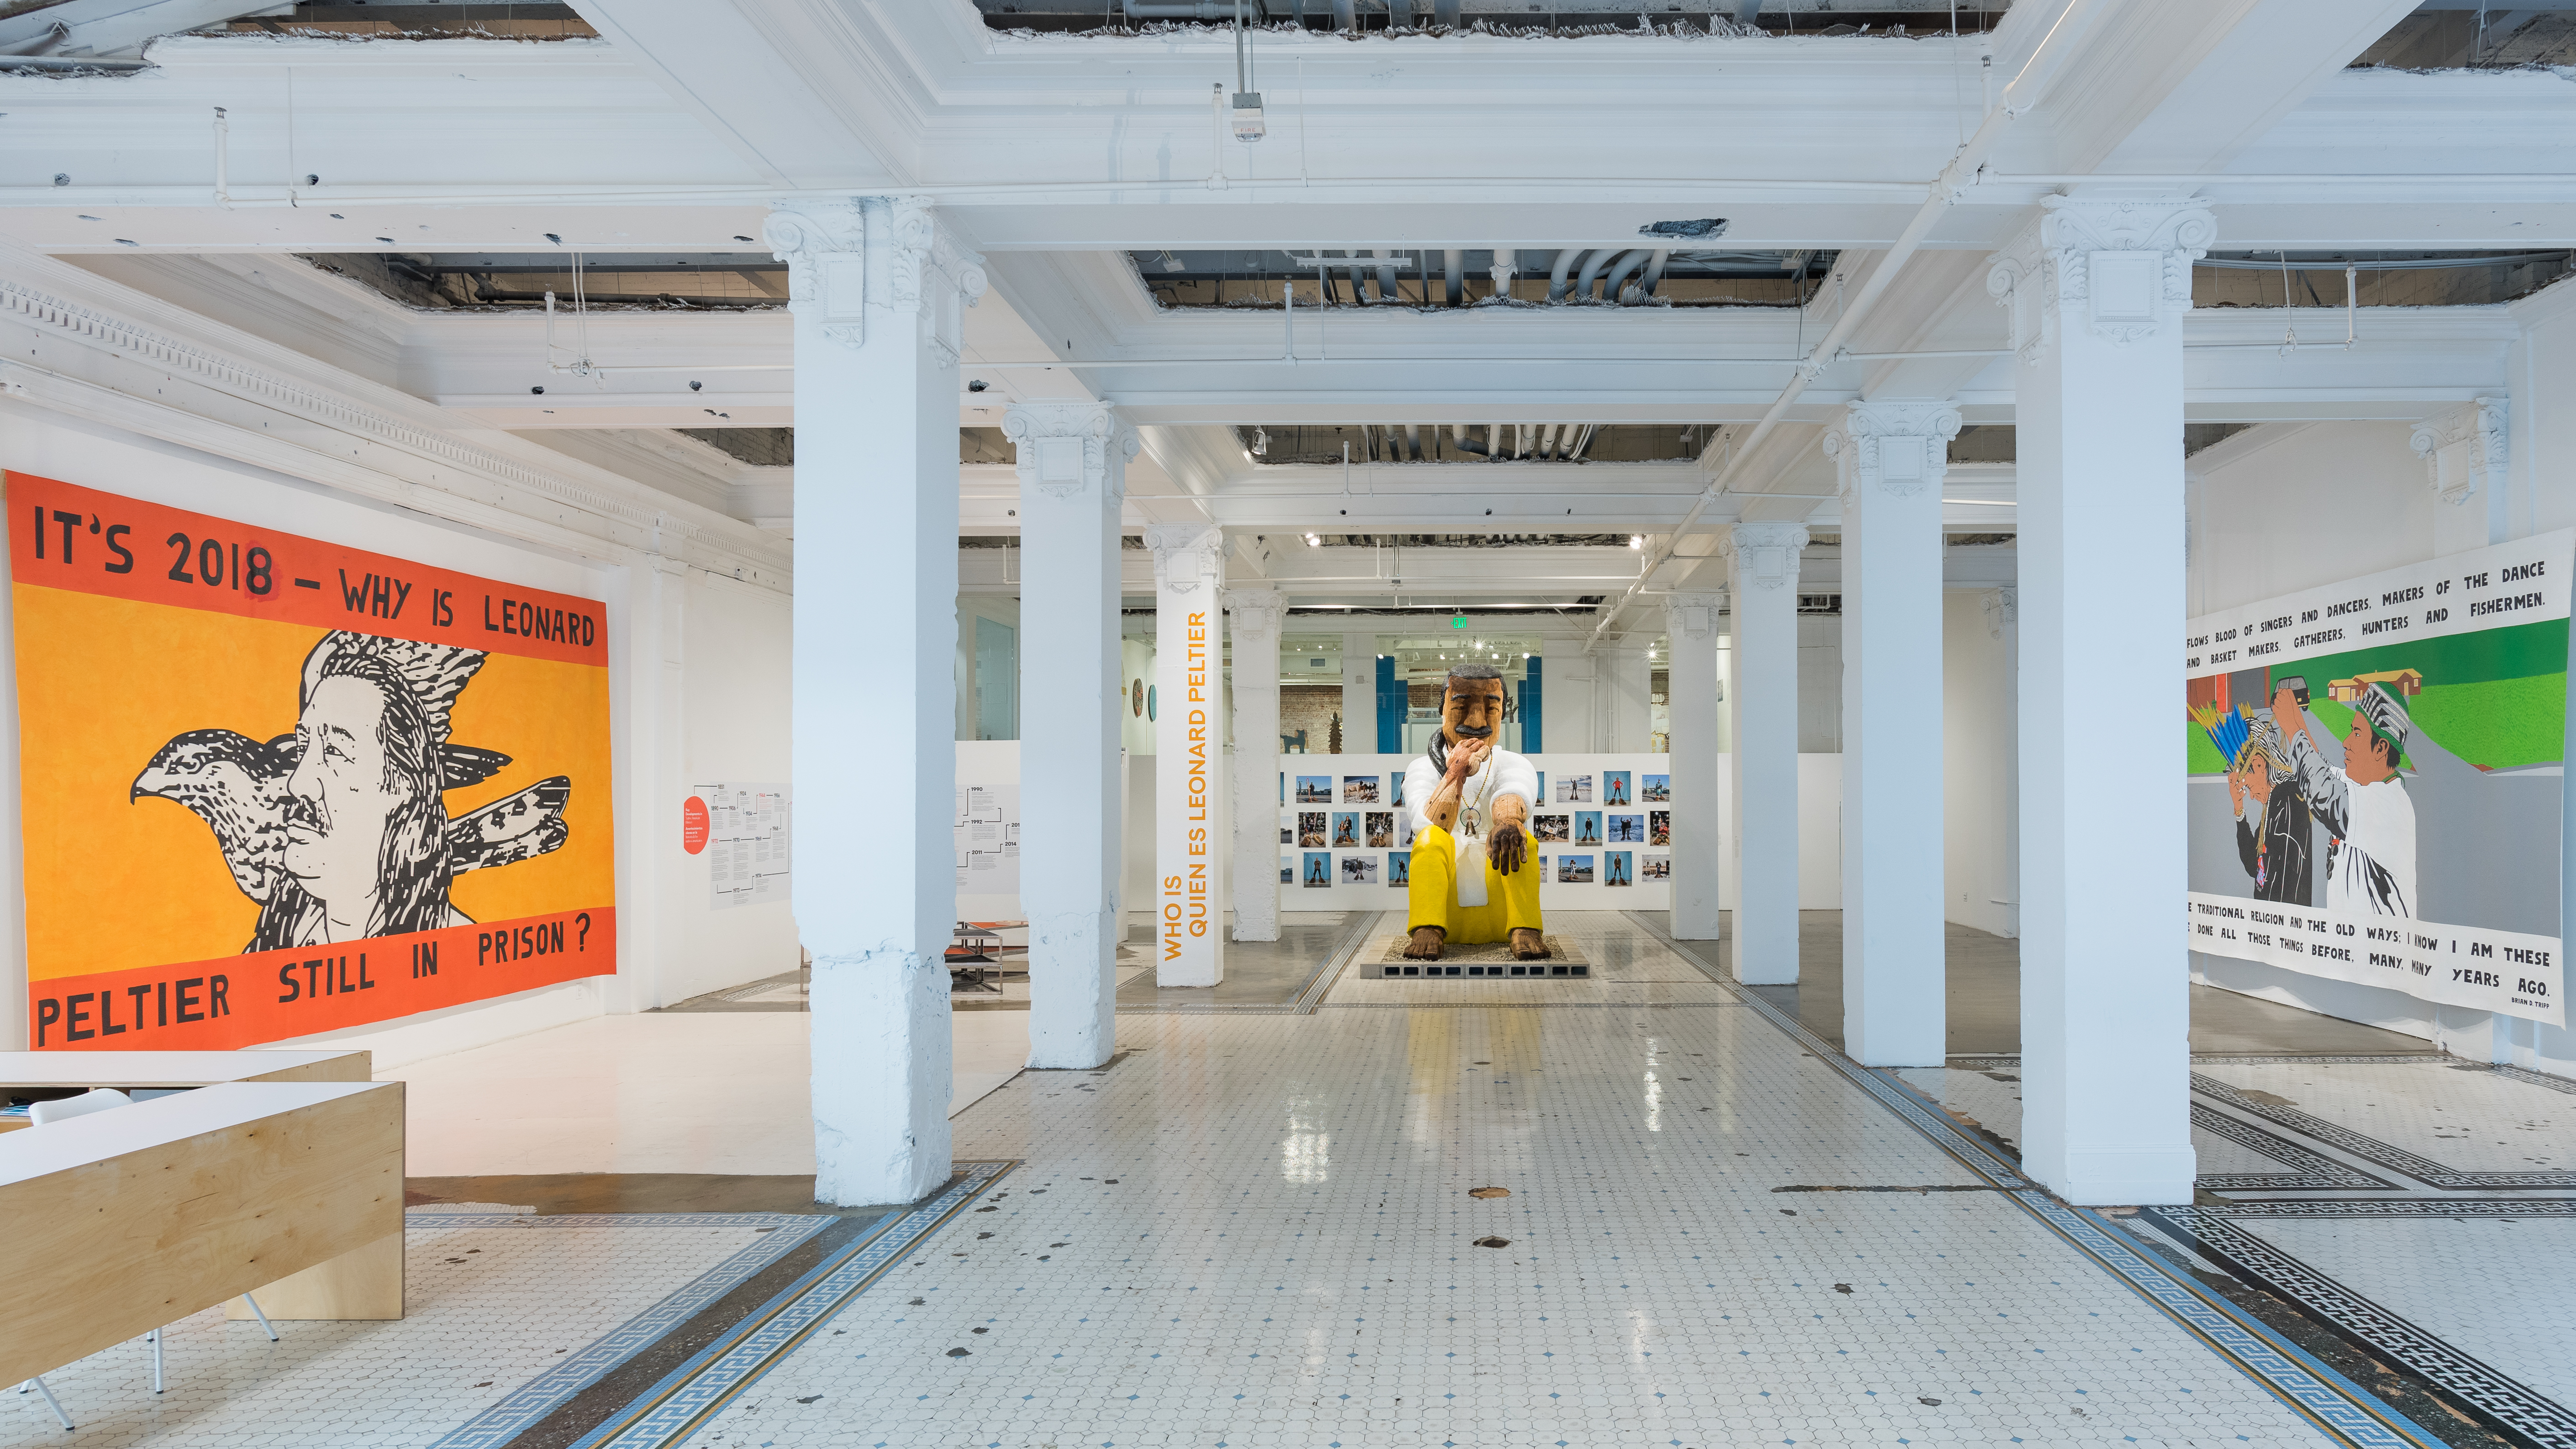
x=556, y=506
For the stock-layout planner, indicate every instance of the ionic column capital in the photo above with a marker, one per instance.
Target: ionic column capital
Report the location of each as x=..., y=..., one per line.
x=1692, y=616
x=1893, y=446
x=1186, y=556
x=1763, y=555
x=2117, y=265
x=1067, y=449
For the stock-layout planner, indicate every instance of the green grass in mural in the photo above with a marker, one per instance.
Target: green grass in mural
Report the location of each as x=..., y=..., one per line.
x=2500, y=724
x=2496, y=698
x=2203, y=757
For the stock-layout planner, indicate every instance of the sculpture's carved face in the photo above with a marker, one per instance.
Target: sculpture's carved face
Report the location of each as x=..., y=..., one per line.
x=1471, y=710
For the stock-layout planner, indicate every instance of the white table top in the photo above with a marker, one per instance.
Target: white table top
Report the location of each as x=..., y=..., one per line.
x=146, y=1069
x=98, y=1136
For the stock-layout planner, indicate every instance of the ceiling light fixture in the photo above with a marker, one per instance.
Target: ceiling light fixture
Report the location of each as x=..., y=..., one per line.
x=1636, y=540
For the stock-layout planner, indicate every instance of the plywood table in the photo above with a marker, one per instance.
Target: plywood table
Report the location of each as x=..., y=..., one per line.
x=124, y=1070
x=126, y=1220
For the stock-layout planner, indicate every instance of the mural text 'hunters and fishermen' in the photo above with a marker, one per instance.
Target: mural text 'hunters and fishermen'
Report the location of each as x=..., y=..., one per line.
x=273, y=786
x=2376, y=779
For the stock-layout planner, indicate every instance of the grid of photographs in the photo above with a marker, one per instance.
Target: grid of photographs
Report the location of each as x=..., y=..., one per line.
x=1611, y=847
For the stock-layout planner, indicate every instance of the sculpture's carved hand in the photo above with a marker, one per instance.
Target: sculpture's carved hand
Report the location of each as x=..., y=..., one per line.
x=1509, y=849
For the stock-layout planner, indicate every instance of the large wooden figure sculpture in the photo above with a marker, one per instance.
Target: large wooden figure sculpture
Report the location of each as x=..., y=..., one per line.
x=1472, y=879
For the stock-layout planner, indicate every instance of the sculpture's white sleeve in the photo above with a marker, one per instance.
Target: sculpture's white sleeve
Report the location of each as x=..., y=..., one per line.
x=1419, y=781
x=1516, y=776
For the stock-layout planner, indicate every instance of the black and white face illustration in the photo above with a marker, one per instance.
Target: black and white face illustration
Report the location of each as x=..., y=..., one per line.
x=340, y=830
x=342, y=797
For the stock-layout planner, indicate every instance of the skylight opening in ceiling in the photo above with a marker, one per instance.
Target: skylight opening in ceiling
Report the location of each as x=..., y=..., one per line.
x=1363, y=19
x=611, y=281
x=1646, y=275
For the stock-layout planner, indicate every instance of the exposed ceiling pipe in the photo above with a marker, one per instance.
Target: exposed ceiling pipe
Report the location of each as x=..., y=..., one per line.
x=1413, y=441
x=1465, y=444
x=1655, y=270
x=1547, y=439
x=1493, y=441
x=1180, y=9
x=1617, y=276
x=2025, y=91
x=1556, y=282
x=1582, y=440
x=1521, y=440
x=1359, y=279
x=1346, y=14
x=1453, y=276
x=1386, y=291
x=1506, y=264
x=1593, y=262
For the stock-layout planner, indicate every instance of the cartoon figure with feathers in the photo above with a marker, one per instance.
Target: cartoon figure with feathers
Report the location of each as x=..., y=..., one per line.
x=340, y=830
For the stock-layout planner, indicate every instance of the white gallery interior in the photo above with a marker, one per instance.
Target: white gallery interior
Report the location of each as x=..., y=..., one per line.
x=1061, y=449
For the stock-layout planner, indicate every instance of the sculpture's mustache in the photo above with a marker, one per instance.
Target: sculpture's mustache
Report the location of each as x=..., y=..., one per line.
x=1473, y=732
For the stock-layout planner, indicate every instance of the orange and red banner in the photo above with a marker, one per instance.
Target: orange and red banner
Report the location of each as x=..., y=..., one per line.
x=272, y=786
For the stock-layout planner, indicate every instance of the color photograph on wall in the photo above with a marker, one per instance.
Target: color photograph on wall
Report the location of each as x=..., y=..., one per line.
x=1399, y=868
x=273, y=786
x=2375, y=778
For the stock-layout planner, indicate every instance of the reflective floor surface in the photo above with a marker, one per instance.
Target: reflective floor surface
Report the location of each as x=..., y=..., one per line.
x=1649, y=1209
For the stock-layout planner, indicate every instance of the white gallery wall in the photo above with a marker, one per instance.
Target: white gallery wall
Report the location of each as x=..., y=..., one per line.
x=1977, y=761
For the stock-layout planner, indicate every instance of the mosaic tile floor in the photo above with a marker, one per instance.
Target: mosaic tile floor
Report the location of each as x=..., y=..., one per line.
x=505, y=1317
x=2408, y=1203
x=1261, y=1230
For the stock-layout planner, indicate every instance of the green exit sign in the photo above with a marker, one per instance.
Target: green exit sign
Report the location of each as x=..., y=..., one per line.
x=1458, y=623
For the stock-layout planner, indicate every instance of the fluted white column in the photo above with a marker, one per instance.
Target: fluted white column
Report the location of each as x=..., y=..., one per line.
x=1252, y=624
x=1073, y=481
x=877, y=288
x=1891, y=455
x=1690, y=631
x=2098, y=290
x=1762, y=715
x=1190, y=839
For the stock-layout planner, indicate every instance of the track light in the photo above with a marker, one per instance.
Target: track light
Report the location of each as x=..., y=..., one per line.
x=1313, y=542
x=1636, y=540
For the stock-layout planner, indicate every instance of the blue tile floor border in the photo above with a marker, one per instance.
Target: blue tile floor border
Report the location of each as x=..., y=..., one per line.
x=689, y=1395
x=548, y=1391
x=2347, y=1413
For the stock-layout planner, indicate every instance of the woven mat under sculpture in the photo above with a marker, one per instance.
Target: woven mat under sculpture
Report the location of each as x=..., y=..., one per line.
x=1492, y=953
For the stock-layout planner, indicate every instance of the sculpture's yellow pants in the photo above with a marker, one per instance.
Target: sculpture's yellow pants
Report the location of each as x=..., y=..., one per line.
x=1431, y=898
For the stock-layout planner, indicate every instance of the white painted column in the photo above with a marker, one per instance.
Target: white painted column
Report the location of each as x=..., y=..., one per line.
x=1073, y=480
x=1359, y=692
x=1762, y=717
x=1252, y=624
x=649, y=625
x=1190, y=839
x=877, y=287
x=1690, y=625
x=2007, y=617
x=1891, y=456
x=2098, y=289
